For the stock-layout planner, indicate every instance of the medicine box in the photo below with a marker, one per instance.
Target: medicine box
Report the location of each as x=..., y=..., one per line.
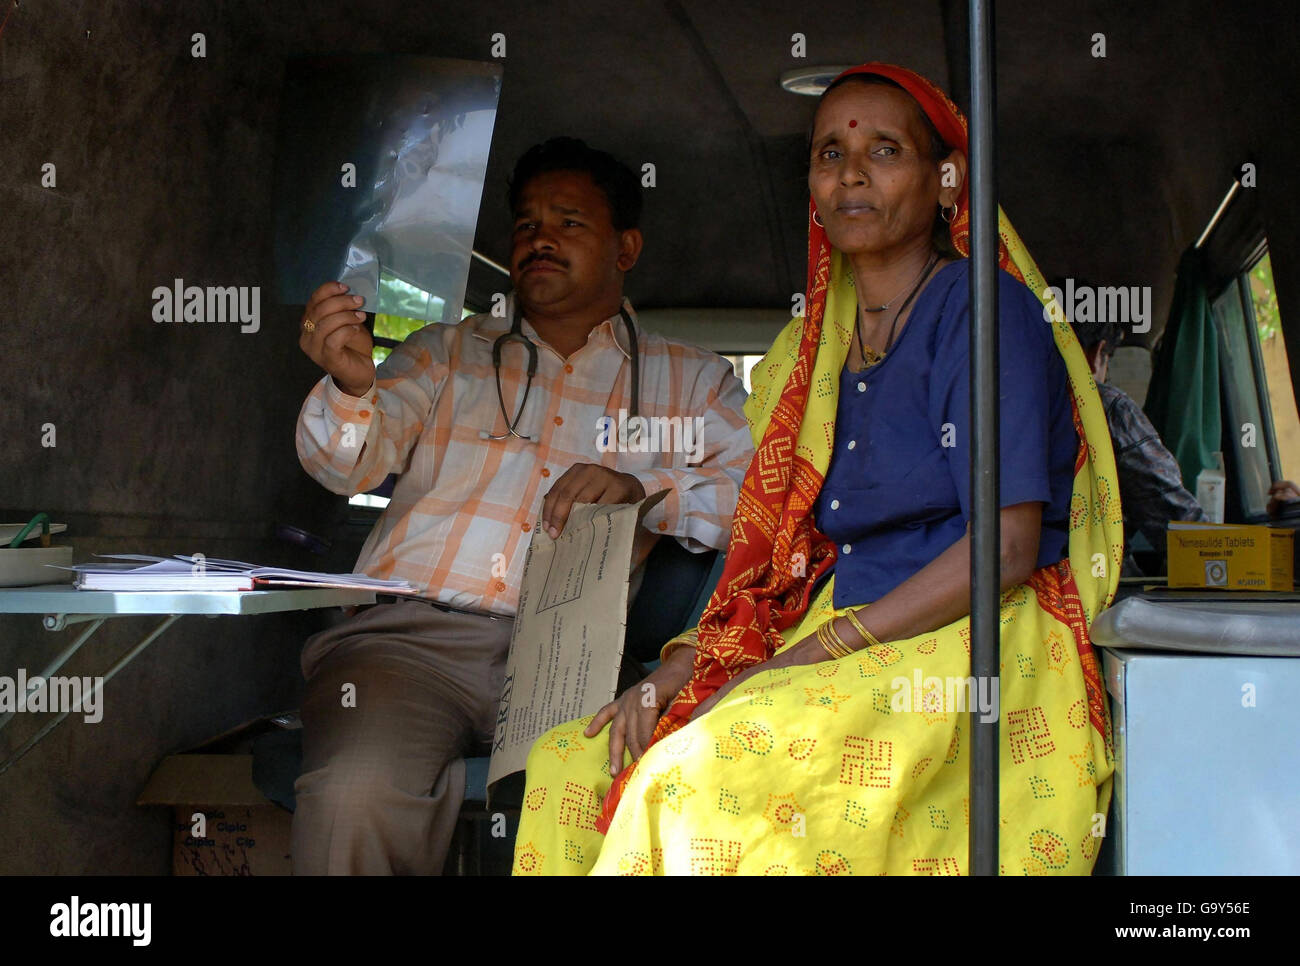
x=1230, y=556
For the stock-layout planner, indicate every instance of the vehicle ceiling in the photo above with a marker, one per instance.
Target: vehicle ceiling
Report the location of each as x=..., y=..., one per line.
x=1109, y=167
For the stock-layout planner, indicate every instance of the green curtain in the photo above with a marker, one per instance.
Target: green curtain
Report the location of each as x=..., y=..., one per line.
x=1183, y=398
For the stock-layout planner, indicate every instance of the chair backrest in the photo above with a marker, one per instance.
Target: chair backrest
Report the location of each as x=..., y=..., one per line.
x=674, y=590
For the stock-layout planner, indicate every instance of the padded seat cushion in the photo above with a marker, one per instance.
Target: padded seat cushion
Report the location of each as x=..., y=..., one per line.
x=1263, y=628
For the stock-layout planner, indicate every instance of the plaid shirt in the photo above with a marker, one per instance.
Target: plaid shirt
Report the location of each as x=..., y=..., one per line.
x=463, y=507
x=1150, y=483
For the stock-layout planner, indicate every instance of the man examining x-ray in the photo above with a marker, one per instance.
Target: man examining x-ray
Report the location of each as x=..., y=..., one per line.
x=491, y=425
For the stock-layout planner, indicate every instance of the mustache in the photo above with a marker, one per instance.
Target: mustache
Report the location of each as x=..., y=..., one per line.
x=541, y=257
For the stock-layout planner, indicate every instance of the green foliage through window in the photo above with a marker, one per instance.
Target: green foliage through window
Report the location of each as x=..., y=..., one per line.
x=1268, y=319
x=393, y=327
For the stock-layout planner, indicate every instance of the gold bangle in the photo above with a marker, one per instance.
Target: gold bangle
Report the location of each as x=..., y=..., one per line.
x=827, y=646
x=833, y=633
x=867, y=636
x=831, y=641
x=689, y=638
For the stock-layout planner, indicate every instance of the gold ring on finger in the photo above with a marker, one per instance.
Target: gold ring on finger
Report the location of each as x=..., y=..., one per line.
x=308, y=325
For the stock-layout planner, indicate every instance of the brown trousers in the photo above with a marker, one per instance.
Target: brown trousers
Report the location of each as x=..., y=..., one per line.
x=383, y=772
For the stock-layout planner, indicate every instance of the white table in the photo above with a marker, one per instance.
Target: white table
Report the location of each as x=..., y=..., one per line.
x=63, y=605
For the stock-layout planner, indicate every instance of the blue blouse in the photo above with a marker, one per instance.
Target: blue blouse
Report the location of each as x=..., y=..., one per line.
x=897, y=492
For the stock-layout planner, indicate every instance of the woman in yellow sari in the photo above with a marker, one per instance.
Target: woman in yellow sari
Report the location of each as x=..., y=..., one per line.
x=816, y=721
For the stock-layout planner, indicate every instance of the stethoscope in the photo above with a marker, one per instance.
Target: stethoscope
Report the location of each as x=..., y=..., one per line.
x=516, y=333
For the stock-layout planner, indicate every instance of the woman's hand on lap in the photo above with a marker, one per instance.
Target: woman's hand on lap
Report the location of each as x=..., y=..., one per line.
x=632, y=716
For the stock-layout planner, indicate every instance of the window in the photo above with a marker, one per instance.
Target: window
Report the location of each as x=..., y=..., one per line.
x=743, y=364
x=1259, y=404
x=414, y=307
x=1277, y=367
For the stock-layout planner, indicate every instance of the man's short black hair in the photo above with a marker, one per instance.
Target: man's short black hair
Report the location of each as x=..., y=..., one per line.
x=615, y=179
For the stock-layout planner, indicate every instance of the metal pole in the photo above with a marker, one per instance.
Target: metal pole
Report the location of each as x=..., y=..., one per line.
x=1218, y=213
x=985, y=532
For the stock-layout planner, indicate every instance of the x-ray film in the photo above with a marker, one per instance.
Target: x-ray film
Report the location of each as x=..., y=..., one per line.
x=379, y=179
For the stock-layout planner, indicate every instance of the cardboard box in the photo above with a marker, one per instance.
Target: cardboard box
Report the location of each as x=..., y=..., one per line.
x=1230, y=556
x=243, y=832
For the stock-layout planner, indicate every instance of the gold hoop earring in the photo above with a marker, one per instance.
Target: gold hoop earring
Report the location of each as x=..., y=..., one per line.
x=943, y=213
x=817, y=221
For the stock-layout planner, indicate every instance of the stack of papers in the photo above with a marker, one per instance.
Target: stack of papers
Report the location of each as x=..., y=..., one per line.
x=144, y=572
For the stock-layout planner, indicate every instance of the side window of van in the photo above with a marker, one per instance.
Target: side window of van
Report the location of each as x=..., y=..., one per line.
x=1259, y=414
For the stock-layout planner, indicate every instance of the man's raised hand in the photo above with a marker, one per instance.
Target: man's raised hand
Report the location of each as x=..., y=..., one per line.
x=334, y=336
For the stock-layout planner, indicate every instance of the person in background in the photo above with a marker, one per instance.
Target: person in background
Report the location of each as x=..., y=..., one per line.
x=1150, y=482
x=1280, y=495
x=1151, y=487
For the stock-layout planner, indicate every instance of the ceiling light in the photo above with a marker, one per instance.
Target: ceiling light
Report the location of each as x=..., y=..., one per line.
x=810, y=80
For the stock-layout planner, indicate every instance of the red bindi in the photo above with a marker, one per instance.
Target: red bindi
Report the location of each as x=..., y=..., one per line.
x=853, y=123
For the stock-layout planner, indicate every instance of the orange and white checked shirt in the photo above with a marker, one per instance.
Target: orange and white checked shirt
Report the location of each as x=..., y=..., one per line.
x=459, y=500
